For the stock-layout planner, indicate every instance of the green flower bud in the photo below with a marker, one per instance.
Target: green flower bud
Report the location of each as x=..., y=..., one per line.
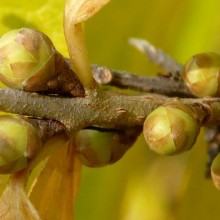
x=100, y=148
x=215, y=171
x=202, y=74
x=19, y=142
x=170, y=129
x=27, y=59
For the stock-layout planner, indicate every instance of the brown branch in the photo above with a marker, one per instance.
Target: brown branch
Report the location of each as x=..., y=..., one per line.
x=109, y=110
x=167, y=84
x=76, y=113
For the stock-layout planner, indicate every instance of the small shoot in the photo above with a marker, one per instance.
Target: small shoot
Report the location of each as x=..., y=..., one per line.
x=76, y=12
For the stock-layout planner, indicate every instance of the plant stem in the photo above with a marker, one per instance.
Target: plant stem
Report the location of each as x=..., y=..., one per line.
x=75, y=39
x=109, y=110
x=77, y=49
x=172, y=86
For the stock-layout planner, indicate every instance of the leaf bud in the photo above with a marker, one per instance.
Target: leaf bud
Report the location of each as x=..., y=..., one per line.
x=99, y=148
x=202, y=74
x=27, y=59
x=19, y=142
x=215, y=171
x=170, y=129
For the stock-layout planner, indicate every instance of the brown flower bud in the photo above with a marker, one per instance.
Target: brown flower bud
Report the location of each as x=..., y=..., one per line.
x=170, y=129
x=19, y=142
x=215, y=171
x=27, y=59
x=100, y=148
x=202, y=74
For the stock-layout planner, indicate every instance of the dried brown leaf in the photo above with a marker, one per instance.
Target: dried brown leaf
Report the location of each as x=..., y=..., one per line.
x=54, y=190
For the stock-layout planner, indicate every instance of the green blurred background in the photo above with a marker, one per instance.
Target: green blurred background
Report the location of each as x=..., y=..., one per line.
x=142, y=186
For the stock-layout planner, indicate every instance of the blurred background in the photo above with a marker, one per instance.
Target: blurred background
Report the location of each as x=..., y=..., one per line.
x=142, y=185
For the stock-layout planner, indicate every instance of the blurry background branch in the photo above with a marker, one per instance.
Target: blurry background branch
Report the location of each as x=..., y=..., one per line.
x=156, y=55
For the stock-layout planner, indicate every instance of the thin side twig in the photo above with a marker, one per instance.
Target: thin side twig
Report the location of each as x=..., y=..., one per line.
x=168, y=84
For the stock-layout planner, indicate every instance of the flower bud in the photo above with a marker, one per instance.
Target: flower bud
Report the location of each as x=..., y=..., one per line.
x=202, y=74
x=19, y=142
x=170, y=129
x=100, y=148
x=27, y=59
x=215, y=171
